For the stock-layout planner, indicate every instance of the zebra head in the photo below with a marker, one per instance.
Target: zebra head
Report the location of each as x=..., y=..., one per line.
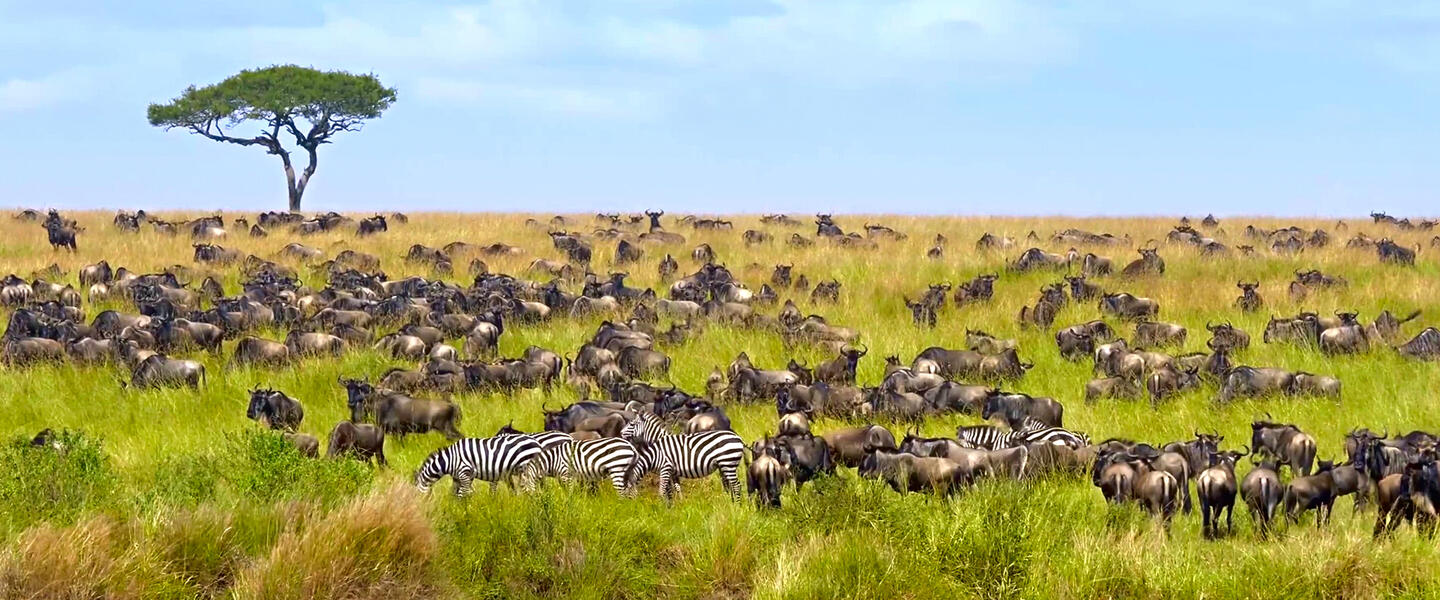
x=641, y=430
x=434, y=467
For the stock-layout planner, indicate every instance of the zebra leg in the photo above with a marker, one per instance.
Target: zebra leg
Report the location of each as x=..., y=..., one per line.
x=462, y=485
x=731, y=479
x=617, y=479
x=666, y=482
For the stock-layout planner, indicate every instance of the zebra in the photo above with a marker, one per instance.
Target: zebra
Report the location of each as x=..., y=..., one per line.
x=685, y=456
x=986, y=437
x=488, y=459
x=589, y=460
x=1031, y=423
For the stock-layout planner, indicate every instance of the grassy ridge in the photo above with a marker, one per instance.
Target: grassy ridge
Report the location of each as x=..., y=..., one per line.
x=181, y=497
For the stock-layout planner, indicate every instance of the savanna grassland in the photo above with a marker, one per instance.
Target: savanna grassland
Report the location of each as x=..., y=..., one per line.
x=174, y=493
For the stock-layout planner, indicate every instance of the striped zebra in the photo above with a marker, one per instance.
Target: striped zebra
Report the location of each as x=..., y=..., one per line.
x=987, y=437
x=487, y=459
x=685, y=456
x=1031, y=423
x=548, y=439
x=589, y=460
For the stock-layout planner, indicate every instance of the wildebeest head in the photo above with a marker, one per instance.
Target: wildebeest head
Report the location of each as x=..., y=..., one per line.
x=258, y=399
x=357, y=391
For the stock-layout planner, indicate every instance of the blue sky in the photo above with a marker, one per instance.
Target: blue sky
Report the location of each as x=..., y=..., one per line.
x=1286, y=108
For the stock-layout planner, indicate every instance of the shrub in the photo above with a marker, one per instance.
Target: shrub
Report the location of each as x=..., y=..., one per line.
x=55, y=482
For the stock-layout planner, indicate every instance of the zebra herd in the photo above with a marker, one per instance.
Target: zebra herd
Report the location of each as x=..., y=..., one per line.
x=644, y=446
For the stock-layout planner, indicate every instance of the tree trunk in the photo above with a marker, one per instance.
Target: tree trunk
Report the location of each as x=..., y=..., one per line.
x=295, y=192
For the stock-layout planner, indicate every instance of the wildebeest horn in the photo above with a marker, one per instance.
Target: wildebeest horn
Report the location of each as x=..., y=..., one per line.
x=1196, y=433
x=1209, y=326
x=865, y=351
x=1247, y=450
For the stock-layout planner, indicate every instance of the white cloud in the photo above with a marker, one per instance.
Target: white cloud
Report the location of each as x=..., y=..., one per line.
x=582, y=101
x=28, y=94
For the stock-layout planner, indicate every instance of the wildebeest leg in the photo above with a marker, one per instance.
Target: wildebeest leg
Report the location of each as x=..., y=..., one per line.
x=380, y=457
x=1230, y=519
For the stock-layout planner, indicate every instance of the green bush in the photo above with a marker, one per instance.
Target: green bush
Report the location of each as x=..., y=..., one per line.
x=262, y=465
x=53, y=482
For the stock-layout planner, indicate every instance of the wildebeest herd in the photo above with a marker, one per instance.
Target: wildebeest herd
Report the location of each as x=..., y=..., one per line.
x=631, y=420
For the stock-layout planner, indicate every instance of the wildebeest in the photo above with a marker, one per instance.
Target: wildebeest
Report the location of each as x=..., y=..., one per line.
x=906, y=472
x=841, y=369
x=274, y=409
x=1168, y=380
x=979, y=289
x=766, y=476
x=1311, y=491
x=1127, y=306
x=1018, y=409
x=1215, y=487
x=162, y=371
x=1036, y=258
x=1227, y=336
x=1252, y=382
x=1391, y=252
x=358, y=440
x=1078, y=341
x=1249, y=300
x=1082, y=289
x=1310, y=384
x=1263, y=492
x=1286, y=443
x=848, y=446
x=400, y=414
x=1154, y=334
x=1149, y=263
x=372, y=225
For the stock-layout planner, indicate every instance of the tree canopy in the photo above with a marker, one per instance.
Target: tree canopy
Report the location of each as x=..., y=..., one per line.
x=288, y=101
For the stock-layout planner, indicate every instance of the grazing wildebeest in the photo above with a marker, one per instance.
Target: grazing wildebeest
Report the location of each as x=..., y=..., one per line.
x=906, y=472
x=162, y=371
x=1078, y=341
x=848, y=446
x=1227, y=336
x=361, y=441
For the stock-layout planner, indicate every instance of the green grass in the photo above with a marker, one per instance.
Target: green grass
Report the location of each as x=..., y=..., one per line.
x=173, y=493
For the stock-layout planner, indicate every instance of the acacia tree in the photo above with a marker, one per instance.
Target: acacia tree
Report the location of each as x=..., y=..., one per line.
x=308, y=105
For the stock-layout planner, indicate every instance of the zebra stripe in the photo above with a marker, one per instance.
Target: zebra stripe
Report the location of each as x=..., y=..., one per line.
x=590, y=460
x=487, y=459
x=1054, y=435
x=1031, y=423
x=987, y=437
x=686, y=456
x=548, y=439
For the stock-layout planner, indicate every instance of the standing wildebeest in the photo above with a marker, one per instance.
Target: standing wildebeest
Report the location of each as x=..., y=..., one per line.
x=1168, y=380
x=1021, y=410
x=1263, y=493
x=1286, y=443
x=1094, y=265
x=399, y=414
x=909, y=473
x=1312, y=491
x=1127, y=306
x=372, y=225
x=1149, y=263
x=642, y=362
x=275, y=409
x=1215, y=487
x=767, y=475
x=1078, y=341
x=359, y=440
